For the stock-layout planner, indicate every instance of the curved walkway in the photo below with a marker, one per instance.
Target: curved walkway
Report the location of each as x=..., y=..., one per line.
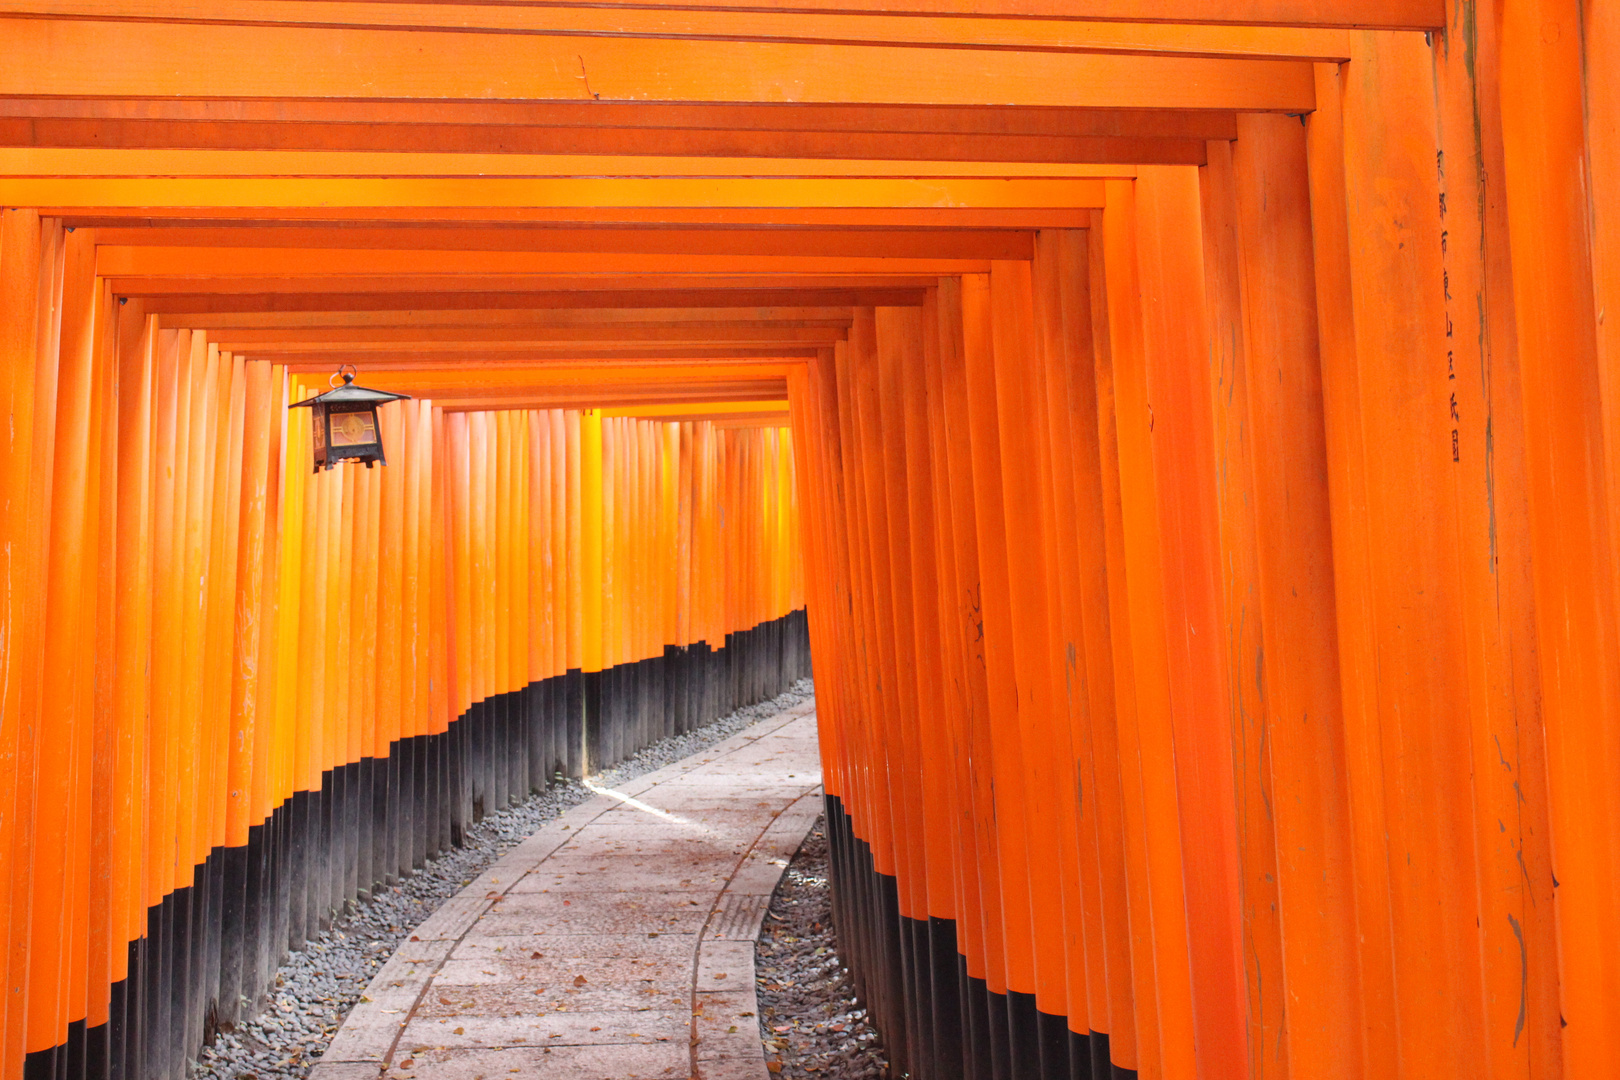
x=617, y=942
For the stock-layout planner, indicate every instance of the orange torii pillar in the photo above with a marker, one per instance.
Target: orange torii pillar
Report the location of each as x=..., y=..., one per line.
x=272, y=691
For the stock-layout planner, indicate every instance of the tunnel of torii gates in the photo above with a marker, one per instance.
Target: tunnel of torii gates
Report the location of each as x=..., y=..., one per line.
x=1187, y=431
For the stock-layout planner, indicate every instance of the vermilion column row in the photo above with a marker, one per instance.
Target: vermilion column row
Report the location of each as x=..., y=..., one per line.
x=239, y=695
x=1215, y=614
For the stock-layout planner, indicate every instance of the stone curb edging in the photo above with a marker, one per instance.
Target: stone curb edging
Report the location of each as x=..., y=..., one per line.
x=722, y=1050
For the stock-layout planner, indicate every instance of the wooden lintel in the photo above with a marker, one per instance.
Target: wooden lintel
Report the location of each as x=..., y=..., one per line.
x=513, y=118
x=412, y=360
x=422, y=300
x=501, y=341
x=84, y=57
x=821, y=217
x=850, y=242
x=1146, y=147
x=483, y=285
x=798, y=25
x=512, y=318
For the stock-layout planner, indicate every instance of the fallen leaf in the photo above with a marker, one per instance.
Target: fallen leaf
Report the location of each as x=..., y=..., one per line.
x=460, y=1031
x=537, y=956
x=580, y=980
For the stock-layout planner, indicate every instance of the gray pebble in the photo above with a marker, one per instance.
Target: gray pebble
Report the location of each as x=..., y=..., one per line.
x=810, y=1022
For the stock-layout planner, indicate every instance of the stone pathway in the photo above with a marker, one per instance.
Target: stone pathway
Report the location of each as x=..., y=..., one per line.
x=615, y=943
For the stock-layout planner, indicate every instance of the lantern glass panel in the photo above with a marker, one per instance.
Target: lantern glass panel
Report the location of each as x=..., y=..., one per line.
x=351, y=429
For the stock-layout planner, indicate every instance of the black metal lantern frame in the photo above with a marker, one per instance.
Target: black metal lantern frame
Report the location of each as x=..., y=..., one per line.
x=344, y=421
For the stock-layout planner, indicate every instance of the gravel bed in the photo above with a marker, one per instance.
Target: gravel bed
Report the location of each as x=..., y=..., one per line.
x=315, y=988
x=809, y=1021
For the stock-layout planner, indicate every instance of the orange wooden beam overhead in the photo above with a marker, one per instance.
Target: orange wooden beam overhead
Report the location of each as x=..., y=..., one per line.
x=204, y=262
x=696, y=396
x=683, y=411
x=1385, y=14
x=677, y=355
x=522, y=217
x=764, y=418
x=678, y=388
x=626, y=374
x=51, y=162
x=497, y=317
x=938, y=149
x=482, y=285
x=503, y=340
x=133, y=59
x=503, y=192
x=792, y=26
x=856, y=243
x=672, y=16
x=459, y=304
x=393, y=123
x=684, y=390
x=672, y=331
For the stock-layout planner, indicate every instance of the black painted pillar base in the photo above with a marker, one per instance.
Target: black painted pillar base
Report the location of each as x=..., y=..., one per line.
x=939, y=1022
x=210, y=950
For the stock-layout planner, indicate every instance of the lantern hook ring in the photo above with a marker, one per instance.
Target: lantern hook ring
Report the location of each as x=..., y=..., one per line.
x=346, y=375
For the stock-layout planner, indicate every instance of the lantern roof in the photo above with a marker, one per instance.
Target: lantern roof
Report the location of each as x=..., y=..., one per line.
x=349, y=394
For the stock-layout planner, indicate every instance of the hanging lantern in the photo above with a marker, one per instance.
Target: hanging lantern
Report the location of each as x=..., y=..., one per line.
x=344, y=421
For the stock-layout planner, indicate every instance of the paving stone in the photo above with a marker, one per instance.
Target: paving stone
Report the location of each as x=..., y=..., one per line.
x=342, y=1070
x=725, y=964
x=633, y=991
x=618, y=944
x=548, y=922
x=454, y=918
x=597, y=1062
x=674, y=879
x=720, y=1069
x=729, y=1038
x=559, y=1027
x=637, y=944
x=369, y=1031
x=550, y=969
